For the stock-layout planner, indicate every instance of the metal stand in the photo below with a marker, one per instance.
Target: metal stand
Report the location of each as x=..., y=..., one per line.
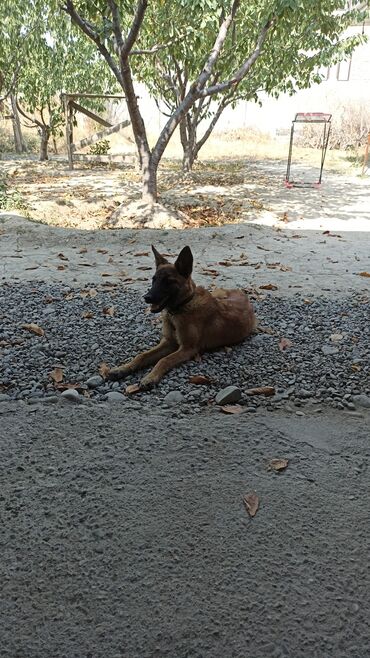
x=309, y=117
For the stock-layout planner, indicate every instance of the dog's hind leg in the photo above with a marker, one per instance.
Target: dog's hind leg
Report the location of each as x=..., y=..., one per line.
x=167, y=363
x=147, y=358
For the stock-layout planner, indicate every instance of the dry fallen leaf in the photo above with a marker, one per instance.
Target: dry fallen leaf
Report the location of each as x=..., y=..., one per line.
x=34, y=329
x=232, y=409
x=83, y=250
x=87, y=315
x=367, y=274
x=225, y=263
x=335, y=338
x=102, y=251
x=145, y=267
x=69, y=296
x=199, y=379
x=307, y=301
x=132, y=388
x=142, y=253
x=277, y=464
x=109, y=310
x=105, y=274
x=251, y=502
x=355, y=367
x=104, y=370
x=266, y=330
x=62, y=257
x=261, y=390
x=61, y=267
x=284, y=343
x=268, y=286
x=56, y=375
x=92, y=292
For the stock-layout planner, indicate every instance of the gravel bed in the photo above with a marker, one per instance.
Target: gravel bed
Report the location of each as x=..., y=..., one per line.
x=328, y=362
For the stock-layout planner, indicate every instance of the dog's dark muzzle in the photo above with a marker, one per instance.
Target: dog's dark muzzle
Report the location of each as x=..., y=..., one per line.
x=156, y=305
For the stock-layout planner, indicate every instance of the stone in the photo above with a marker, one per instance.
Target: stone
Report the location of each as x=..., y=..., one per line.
x=173, y=397
x=115, y=396
x=228, y=395
x=94, y=381
x=328, y=350
x=71, y=395
x=362, y=400
x=4, y=397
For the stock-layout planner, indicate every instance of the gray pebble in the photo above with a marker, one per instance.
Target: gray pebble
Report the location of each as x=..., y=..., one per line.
x=71, y=395
x=4, y=397
x=115, y=396
x=228, y=395
x=328, y=350
x=94, y=381
x=174, y=397
x=362, y=400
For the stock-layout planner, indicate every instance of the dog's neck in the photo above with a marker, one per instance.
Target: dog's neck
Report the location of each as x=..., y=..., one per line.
x=178, y=308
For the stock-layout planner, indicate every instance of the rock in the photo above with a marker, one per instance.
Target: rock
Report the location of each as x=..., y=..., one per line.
x=71, y=395
x=95, y=381
x=4, y=397
x=362, y=400
x=228, y=395
x=350, y=406
x=174, y=397
x=115, y=396
x=328, y=350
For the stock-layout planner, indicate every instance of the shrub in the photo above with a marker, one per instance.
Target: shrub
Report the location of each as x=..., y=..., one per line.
x=100, y=148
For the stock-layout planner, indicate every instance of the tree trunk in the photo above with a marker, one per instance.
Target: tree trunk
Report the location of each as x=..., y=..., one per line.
x=149, y=190
x=20, y=146
x=44, y=135
x=188, y=141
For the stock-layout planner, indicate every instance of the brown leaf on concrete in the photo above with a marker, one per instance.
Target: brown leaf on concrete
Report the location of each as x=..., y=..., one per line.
x=261, y=390
x=62, y=257
x=142, y=253
x=199, y=379
x=56, y=375
x=268, y=286
x=232, y=409
x=366, y=274
x=61, y=267
x=87, y=315
x=109, y=310
x=284, y=343
x=102, y=251
x=34, y=329
x=277, y=464
x=251, y=502
x=83, y=250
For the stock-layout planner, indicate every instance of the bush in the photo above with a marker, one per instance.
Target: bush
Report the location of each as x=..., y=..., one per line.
x=10, y=200
x=350, y=127
x=100, y=148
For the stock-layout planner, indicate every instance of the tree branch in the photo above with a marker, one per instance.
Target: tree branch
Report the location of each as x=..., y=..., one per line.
x=34, y=121
x=88, y=29
x=217, y=47
x=245, y=67
x=135, y=27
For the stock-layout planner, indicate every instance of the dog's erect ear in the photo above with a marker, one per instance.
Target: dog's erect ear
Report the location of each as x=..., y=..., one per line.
x=159, y=259
x=184, y=262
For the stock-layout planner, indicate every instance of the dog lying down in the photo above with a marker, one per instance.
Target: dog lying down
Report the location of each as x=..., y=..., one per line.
x=194, y=320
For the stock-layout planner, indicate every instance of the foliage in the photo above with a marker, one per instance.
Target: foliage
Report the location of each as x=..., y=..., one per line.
x=41, y=56
x=350, y=128
x=306, y=38
x=100, y=148
x=10, y=200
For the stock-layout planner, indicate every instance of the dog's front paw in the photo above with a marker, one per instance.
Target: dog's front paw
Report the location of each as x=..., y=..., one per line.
x=147, y=383
x=115, y=374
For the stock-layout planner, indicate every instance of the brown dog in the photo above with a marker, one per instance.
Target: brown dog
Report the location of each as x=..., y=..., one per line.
x=193, y=319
